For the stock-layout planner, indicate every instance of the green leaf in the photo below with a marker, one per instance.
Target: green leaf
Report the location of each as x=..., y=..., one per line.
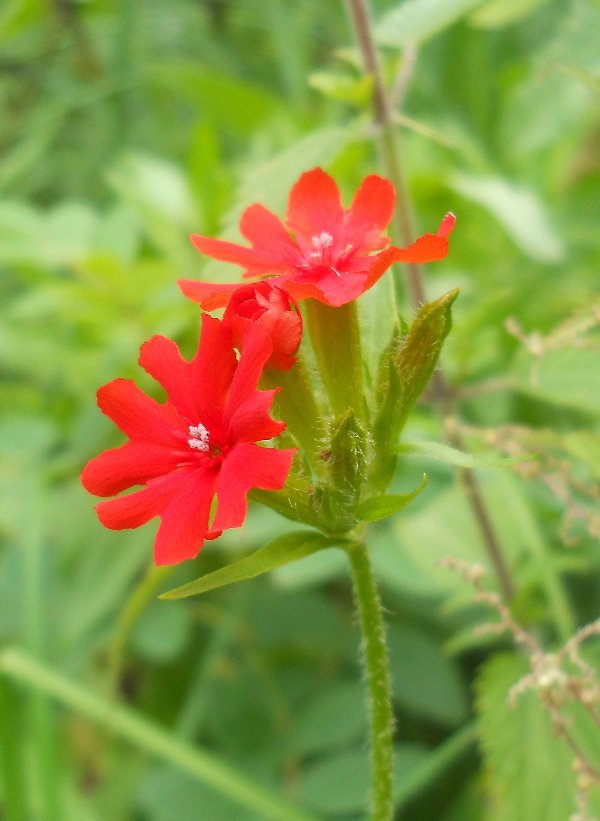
x=337, y=716
x=380, y=507
x=519, y=210
x=280, y=551
x=498, y=13
x=425, y=680
x=414, y=21
x=568, y=377
x=454, y=456
x=340, y=784
x=523, y=754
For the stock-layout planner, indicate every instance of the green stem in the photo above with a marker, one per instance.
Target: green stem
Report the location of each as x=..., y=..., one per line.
x=335, y=336
x=376, y=664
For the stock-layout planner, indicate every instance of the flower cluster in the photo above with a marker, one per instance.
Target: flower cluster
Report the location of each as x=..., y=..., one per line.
x=196, y=456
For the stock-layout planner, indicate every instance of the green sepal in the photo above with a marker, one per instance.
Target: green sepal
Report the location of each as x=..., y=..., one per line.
x=279, y=551
x=296, y=500
x=346, y=455
x=335, y=337
x=296, y=402
x=345, y=458
x=380, y=507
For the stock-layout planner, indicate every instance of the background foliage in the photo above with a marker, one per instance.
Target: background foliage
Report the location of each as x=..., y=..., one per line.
x=125, y=126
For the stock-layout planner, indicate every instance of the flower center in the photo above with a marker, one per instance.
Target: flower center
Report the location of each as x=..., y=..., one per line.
x=321, y=243
x=198, y=438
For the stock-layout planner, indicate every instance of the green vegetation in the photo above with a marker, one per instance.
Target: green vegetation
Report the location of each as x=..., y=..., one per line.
x=128, y=125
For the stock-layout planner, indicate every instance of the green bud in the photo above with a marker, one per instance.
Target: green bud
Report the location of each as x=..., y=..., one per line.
x=346, y=457
x=405, y=369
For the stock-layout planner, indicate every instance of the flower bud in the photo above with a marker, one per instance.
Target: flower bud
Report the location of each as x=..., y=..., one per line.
x=272, y=309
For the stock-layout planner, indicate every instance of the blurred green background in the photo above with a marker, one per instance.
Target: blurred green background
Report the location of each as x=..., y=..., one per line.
x=125, y=126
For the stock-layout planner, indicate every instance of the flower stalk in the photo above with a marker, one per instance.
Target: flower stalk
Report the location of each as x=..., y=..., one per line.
x=375, y=659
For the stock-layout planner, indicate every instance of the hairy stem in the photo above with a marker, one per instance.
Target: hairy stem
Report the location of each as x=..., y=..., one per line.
x=375, y=658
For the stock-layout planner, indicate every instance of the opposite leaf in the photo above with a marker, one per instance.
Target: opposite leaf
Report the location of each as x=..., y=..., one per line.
x=280, y=551
x=380, y=507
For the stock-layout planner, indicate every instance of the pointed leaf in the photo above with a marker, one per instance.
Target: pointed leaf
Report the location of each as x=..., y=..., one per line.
x=280, y=551
x=380, y=507
x=414, y=21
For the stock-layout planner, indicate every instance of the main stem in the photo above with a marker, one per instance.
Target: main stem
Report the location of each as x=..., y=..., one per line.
x=403, y=228
x=375, y=657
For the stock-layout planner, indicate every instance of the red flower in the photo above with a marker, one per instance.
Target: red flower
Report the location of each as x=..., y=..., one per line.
x=269, y=307
x=331, y=256
x=199, y=444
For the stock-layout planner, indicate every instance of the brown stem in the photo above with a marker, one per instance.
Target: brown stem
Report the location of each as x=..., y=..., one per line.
x=402, y=225
x=402, y=221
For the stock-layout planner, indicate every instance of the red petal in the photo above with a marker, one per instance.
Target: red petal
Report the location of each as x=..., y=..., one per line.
x=251, y=422
x=315, y=206
x=245, y=467
x=138, y=416
x=256, y=262
x=209, y=296
x=134, y=463
x=184, y=520
x=139, y=507
x=379, y=265
x=428, y=248
x=214, y=367
x=161, y=358
x=370, y=213
x=267, y=233
x=255, y=353
x=447, y=225
x=285, y=331
x=339, y=290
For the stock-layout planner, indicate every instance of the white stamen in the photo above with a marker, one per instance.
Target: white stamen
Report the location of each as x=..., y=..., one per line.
x=324, y=240
x=199, y=437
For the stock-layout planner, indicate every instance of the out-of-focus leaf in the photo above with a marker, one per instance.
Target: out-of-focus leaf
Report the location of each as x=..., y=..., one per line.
x=498, y=13
x=228, y=101
x=342, y=86
x=522, y=753
x=162, y=631
x=336, y=717
x=414, y=21
x=568, y=377
x=453, y=456
x=425, y=681
x=519, y=211
x=340, y=784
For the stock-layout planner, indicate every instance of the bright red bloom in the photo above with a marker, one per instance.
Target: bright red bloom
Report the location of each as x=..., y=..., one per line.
x=269, y=307
x=199, y=444
x=331, y=257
